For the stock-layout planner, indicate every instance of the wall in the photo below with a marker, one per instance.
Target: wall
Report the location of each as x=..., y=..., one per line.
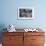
x=8, y=13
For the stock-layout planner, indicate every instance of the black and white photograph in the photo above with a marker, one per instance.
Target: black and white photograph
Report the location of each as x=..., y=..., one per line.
x=25, y=13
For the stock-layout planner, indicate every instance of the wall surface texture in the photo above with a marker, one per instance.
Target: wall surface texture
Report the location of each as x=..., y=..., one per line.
x=8, y=13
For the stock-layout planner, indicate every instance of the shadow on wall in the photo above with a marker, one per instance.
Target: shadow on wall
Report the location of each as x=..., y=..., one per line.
x=2, y=26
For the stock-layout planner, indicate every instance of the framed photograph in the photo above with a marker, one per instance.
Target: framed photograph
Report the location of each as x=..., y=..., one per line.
x=25, y=13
